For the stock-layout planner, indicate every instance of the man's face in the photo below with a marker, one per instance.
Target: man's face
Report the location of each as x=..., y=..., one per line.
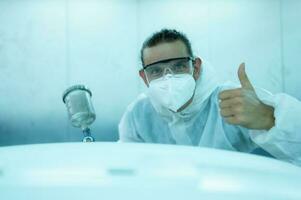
x=167, y=50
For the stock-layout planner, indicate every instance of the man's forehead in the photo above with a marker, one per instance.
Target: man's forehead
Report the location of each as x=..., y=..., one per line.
x=163, y=51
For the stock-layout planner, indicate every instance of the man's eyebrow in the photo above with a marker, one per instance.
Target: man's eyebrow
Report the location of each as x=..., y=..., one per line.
x=164, y=61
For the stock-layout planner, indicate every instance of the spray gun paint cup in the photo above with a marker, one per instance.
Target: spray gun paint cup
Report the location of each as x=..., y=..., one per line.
x=80, y=109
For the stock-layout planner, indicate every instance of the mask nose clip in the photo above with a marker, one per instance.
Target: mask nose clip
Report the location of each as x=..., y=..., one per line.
x=167, y=71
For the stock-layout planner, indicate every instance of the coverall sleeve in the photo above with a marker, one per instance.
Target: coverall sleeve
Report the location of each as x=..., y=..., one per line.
x=126, y=128
x=284, y=139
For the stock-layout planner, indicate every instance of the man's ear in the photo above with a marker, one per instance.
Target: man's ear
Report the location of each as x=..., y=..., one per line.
x=197, y=64
x=142, y=75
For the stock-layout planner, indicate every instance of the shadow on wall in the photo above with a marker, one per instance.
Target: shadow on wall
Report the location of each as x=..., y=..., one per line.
x=41, y=132
x=37, y=132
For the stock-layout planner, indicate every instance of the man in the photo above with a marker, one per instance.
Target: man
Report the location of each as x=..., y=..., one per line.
x=185, y=104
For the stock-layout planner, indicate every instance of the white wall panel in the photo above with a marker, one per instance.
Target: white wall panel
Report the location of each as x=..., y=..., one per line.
x=102, y=53
x=247, y=31
x=32, y=71
x=292, y=46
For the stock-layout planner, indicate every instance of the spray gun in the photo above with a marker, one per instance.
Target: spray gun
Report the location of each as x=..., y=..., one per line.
x=81, y=113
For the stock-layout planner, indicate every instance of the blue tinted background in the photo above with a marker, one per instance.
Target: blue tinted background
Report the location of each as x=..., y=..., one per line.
x=49, y=45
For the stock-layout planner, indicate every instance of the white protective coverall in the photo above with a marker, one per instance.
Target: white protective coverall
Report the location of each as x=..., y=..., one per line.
x=200, y=124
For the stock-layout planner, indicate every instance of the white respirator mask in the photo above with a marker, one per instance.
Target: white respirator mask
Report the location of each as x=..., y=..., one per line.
x=172, y=91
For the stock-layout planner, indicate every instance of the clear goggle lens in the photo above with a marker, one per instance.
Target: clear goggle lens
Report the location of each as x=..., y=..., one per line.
x=174, y=66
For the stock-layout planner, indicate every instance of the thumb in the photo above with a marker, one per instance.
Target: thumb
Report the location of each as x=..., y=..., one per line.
x=243, y=78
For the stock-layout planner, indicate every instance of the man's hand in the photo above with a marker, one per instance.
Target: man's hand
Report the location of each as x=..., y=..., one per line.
x=241, y=106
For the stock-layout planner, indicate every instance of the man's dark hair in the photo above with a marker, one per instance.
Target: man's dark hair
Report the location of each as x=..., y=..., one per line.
x=165, y=35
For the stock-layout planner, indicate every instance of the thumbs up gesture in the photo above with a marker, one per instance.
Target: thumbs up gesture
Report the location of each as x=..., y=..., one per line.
x=241, y=106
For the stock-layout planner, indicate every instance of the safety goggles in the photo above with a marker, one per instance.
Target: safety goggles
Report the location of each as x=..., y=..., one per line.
x=174, y=66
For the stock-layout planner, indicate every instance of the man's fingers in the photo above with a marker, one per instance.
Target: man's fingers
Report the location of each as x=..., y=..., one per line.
x=232, y=120
x=243, y=77
x=226, y=94
x=230, y=102
x=232, y=110
x=227, y=112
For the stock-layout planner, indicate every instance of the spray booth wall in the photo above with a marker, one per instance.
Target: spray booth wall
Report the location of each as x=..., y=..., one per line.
x=47, y=46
